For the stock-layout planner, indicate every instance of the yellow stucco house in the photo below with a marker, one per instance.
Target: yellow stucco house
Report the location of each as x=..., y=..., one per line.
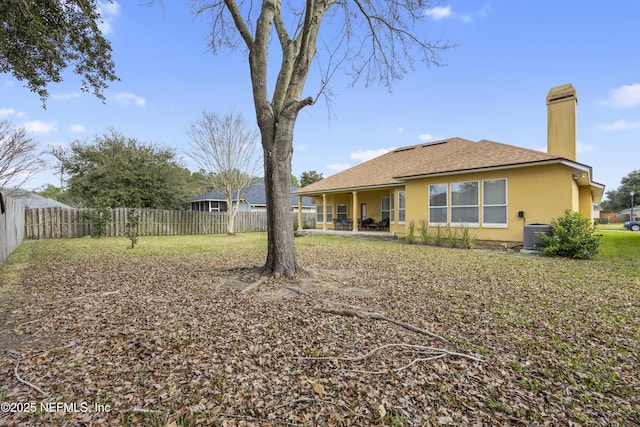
x=494, y=189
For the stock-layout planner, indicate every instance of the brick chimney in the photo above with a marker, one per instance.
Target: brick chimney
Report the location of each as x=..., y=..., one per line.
x=561, y=121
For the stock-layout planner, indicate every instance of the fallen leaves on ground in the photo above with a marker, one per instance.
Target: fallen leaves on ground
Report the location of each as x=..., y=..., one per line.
x=171, y=340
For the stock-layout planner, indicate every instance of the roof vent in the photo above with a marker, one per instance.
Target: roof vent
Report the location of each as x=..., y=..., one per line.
x=398, y=150
x=429, y=144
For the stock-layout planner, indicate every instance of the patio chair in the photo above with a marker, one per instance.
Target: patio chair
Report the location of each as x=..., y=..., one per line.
x=366, y=223
x=382, y=225
x=342, y=224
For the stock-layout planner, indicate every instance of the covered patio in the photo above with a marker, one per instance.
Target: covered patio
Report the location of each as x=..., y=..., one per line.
x=350, y=233
x=372, y=210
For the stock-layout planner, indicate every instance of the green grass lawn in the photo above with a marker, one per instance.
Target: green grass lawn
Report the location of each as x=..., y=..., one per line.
x=619, y=243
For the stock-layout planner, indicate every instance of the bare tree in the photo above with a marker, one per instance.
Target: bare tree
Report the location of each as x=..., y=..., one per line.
x=18, y=157
x=377, y=37
x=227, y=151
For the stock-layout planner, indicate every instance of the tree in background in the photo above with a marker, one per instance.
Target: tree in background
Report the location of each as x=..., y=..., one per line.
x=49, y=191
x=39, y=39
x=18, y=157
x=123, y=172
x=310, y=177
x=620, y=198
x=227, y=151
x=378, y=37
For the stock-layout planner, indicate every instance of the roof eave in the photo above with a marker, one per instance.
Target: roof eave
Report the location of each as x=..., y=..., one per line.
x=343, y=189
x=563, y=161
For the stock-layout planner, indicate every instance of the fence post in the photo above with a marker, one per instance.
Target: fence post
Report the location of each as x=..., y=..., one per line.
x=12, y=224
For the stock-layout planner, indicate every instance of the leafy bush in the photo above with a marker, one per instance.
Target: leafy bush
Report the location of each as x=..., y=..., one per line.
x=131, y=227
x=571, y=235
x=99, y=217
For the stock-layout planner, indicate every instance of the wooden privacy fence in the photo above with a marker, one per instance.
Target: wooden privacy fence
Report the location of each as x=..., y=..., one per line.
x=52, y=223
x=11, y=224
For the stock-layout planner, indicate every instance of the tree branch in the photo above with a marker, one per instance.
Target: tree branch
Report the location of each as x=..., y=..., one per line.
x=232, y=7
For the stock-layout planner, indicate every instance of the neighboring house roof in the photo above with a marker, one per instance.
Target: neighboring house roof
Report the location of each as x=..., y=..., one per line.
x=454, y=155
x=255, y=195
x=636, y=209
x=32, y=200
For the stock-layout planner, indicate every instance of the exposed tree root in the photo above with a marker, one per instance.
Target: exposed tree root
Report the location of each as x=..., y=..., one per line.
x=378, y=316
x=254, y=285
x=365, y=315
x=27, y=383
x=431, y=353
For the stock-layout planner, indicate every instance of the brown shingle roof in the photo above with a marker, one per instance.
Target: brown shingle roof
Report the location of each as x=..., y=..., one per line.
x=451, y=155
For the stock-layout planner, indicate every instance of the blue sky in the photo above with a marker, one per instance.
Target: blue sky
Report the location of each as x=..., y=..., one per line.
x=508, y=55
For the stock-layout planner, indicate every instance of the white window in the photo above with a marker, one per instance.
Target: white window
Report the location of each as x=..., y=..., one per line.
x=319, y=214
x=343, y=212
x=438, y=203
x=401, y=207
x=217, y=206
x=465, y=209
x=329, y=214
x=494, y=203
x=385, y=207
x=392, y=202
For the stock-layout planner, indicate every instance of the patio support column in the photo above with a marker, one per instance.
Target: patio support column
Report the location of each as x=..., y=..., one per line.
x=355, y=211
x=324, y=211
x=299, y=213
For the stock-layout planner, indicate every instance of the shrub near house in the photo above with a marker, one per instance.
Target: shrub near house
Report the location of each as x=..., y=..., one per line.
x=572, y=235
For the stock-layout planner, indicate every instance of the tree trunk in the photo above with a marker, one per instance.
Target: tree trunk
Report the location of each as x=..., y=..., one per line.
x=278, y=150
x=231, y=216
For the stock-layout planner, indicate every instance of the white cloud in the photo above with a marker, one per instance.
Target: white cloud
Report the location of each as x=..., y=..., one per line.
x=77, y=128
x=364, y=155
x=108, y=11
x=624, y=96
x=6, y=112
x=338, y=166
x=585, y=148
x=128, y=98
x=65, y=96
x=474, y=16
x=301, y=147
x=619, y=125
x=426, y=137
x=37, y=126
x=438, y=12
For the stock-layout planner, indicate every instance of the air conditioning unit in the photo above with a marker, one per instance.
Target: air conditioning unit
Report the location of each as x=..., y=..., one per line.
x=532, y=232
